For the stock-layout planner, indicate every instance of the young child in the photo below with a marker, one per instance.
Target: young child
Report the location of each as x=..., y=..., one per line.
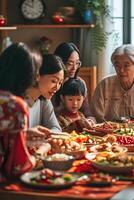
x=72, y=94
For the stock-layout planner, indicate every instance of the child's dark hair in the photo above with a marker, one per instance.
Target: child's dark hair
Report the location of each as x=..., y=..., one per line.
x=73, y=87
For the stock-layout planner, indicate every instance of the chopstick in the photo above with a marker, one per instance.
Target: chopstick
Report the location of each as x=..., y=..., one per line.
x=59, y=135
x=62, y=133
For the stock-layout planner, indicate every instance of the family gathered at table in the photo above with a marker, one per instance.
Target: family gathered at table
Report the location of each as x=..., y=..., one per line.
x=43, y=95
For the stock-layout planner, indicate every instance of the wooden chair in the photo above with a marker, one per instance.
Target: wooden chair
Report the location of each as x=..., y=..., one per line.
x=89, y=74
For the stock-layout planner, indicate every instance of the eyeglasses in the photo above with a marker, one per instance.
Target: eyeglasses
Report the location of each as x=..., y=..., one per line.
x=72, y=64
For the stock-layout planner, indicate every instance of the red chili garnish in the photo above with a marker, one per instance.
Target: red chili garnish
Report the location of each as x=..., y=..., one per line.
x=86, y=167
x=125, y=140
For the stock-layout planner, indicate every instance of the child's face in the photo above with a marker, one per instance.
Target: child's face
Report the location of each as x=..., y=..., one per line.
x=73, y=103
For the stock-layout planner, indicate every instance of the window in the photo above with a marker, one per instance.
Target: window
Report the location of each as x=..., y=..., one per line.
x=123, y=19
x=117, y=18
x=122, y=13
x=132, y=21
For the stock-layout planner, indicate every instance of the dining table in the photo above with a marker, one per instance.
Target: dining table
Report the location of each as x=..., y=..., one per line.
x=120, y=189
x=16, y=190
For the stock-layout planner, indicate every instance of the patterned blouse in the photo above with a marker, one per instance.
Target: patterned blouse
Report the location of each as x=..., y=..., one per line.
x=14, y=156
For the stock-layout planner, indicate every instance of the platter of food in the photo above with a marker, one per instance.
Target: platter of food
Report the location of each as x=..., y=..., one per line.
x=125, y=131
x=101, y=129
x=99, y=180
x=104, y=127
x=112, y=168
x=96, y=180
x=125, y=178
x=115, y=148
x=49, y=179
x=68, y=146
x=126, y=141
x=109, y=127
x=114, y=163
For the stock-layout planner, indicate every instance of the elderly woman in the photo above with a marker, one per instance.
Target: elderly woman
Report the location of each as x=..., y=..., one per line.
x=14, y=156
x=114, y=95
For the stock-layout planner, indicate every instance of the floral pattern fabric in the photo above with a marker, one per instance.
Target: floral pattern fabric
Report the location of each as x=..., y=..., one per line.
x=14, y=156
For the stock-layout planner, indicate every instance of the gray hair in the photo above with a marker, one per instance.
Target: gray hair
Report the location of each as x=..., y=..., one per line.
x=127, y=49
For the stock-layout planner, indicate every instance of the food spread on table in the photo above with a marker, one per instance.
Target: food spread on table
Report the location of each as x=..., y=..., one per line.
x=104, y=148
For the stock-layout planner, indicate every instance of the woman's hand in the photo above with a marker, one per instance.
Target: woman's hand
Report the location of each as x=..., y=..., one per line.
x=38, y=132
x=43, y=149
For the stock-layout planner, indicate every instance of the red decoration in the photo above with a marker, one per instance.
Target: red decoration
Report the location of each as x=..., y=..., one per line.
x=2, y=21
x=57, y=18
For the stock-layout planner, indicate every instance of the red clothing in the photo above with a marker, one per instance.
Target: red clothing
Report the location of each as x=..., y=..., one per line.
x=14, y=156
x=71, y=121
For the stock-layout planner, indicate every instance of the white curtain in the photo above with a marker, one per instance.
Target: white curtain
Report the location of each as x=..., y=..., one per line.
x=104, y=59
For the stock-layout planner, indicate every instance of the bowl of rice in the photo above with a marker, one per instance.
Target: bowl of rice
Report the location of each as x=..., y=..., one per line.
x=58, y=161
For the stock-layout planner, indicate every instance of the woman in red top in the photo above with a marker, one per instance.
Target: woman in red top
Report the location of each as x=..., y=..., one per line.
x=14, y=156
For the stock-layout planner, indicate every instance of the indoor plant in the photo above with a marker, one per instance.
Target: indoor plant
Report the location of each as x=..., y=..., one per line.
x=100, y=11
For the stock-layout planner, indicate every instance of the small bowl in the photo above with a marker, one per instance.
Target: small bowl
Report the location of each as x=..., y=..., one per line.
x=58, y=165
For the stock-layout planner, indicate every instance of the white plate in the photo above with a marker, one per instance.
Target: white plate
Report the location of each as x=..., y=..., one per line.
x=26, y=179
x=113, y=169
x=91, y=156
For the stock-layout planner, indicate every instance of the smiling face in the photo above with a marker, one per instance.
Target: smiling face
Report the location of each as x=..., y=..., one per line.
x=125, y=70
x=50, y=83
x=73, y=64
x=73, y=103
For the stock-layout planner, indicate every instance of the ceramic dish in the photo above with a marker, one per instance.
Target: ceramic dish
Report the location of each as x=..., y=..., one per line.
x=61, y=165
x=99, y=183
x=125, y=178
x=113, y=169
x=27, y=178
x=97, y=179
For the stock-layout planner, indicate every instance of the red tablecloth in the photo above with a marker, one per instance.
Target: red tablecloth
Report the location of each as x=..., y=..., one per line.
x=77, y=191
